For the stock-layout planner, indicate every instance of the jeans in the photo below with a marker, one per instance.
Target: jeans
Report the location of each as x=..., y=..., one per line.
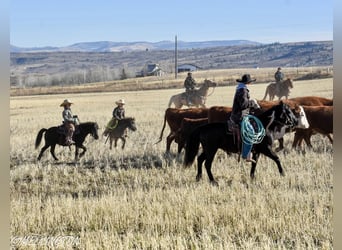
x=247, y=147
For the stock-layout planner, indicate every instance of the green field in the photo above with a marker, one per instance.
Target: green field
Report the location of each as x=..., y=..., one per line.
x=137, y=198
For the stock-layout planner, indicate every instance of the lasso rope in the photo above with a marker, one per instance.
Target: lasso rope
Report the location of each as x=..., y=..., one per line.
x=249, y=133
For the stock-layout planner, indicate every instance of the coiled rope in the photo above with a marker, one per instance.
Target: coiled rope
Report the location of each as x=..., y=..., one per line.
x=252, y=134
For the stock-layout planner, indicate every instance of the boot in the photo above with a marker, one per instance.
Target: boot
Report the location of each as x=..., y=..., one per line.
x=249, y=158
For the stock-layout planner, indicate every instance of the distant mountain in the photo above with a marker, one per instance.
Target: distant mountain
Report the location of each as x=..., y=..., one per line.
x=107, y=46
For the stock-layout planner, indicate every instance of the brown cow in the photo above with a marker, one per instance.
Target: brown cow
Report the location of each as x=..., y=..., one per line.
x=303, y=100
x=312, y=101
x=174, y=118
x=321, y=121
x=187, y=126
x=301, y=134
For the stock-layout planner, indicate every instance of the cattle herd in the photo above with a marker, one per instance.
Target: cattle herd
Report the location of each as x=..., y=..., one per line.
x=318, y=110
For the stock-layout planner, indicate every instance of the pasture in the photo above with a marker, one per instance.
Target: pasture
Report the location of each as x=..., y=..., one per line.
x=138, y=198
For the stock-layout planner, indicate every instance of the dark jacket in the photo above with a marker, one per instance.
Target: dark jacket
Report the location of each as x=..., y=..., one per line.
x=278, y=76
x=119, y=113
x=241, y=103
x=189, y=83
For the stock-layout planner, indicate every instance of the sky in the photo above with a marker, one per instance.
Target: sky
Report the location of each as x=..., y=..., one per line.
x=38, y=23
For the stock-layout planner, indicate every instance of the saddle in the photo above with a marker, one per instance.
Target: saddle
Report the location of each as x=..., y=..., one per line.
x=61, y=129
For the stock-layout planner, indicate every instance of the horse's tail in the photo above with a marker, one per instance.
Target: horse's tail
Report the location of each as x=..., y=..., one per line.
x=192, y=147
x=266, y=92
x=162, y=131
x=39, y=137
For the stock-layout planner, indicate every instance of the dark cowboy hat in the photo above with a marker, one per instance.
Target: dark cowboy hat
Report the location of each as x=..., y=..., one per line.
x=246, y=79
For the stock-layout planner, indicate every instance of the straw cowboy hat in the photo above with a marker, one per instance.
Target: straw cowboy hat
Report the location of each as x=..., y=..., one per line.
x=246, y=79
x=121, y=101
x=66, y=102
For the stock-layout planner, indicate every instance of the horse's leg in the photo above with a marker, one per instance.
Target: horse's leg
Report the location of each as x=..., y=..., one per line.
x=84, y=150
x=42, y=151
x=267, y=151
x=123, y=142
x=281, y=145
x=52, y=151
x=110, y=142
x=116, y=142
x=255, y=158
x=200, y=160
x=76, y=153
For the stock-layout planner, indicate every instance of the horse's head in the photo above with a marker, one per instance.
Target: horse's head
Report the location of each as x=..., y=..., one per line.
x=300, y=114
x=209, y=83
x=286, y=116
x=289, y=83
x=131, y=124
x=94, y=129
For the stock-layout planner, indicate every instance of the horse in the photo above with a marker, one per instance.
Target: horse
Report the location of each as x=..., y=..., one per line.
x=284, y=90
x=213, y=136
x=55, y=135
x=197, y=98
x=119, y=131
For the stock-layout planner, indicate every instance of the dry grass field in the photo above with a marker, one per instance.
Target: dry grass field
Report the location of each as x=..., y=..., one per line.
x=137, y=198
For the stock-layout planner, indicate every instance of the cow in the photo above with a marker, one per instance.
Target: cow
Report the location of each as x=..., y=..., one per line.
x=187, y=126
x=321, y=121
x=303, y=100
x=174, y=118
x=306, y=101
x=312, y=101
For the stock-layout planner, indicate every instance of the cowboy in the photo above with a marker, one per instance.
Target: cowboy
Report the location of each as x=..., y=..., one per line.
x=189, y=85
x=279, y=77
x=118, y=114
x=69, y=121
x=119, y=110
x=241, y=105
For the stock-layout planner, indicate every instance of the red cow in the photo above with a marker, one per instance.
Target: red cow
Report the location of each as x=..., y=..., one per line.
x=174, y=118
x=321, y=121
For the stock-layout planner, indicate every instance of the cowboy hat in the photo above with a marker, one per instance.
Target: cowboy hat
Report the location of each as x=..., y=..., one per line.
x=121, y=101
x=246, y=79
x=66, y=102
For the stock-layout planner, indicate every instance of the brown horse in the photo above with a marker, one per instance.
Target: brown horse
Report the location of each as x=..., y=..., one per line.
x=119, y=131
x=197, y=98
x=283, y=91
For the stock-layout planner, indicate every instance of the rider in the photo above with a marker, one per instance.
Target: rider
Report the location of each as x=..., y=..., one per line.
x=69, y=121
x=279, y=77
x=189, y=85
x=241, y=106
x=118, y=114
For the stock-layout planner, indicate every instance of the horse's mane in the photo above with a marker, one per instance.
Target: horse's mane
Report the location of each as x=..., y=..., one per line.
x=87, y=124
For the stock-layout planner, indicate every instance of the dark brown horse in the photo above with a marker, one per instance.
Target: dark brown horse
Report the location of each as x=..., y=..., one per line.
x=213, y=136
x=55, y=135
x=119, y=131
